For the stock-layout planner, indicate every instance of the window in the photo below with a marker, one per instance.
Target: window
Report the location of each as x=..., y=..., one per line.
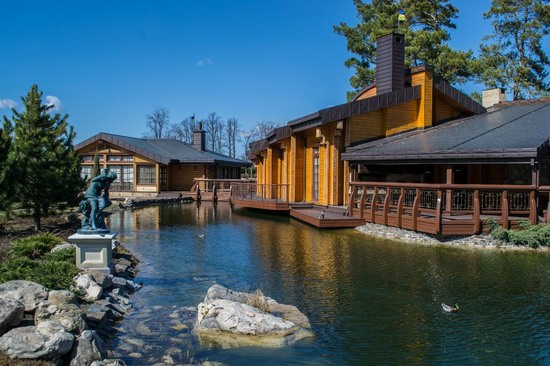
x=127, y=158
x=125, y=178
x=114, y=158
x=315, y=190
x=87, y=158
x=86, y=172
x=146, y=174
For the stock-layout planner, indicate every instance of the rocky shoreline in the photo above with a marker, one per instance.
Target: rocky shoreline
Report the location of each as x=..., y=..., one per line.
x=56, y=326
x=406, y=236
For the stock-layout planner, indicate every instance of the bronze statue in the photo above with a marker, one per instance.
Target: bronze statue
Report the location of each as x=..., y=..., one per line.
x=94, y=203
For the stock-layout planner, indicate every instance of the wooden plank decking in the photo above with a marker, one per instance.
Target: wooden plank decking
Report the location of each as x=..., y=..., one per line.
x=325, y=217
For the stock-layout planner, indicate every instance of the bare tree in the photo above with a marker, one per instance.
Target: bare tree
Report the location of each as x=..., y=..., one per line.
x=232, y=132
x=158, y=123
x=213, y=125
x=260, y=131
x=183, y=130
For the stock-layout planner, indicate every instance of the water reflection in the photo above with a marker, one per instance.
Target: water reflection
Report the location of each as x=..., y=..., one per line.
x=369, y=301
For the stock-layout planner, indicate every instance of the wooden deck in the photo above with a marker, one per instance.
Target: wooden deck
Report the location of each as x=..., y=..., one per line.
x=322, y=217
x=270, y=205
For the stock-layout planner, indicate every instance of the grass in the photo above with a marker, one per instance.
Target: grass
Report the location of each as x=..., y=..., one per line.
x=258, y=300
x=31, y=259
x=533, y=236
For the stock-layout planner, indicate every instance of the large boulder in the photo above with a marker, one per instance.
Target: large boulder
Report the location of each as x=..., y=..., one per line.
x=89, y=347
x=63, y=246
x=11, y=313
x=30, y=294
x=68, y=315
x=30, y=342
x=62, y=297
x=228, y=318
x=92, y=291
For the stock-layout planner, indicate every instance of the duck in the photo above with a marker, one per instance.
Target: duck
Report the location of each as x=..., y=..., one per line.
x=201, y=236
x=450, y=308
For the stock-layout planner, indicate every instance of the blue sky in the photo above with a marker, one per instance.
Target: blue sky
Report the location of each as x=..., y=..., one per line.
x=110, y=63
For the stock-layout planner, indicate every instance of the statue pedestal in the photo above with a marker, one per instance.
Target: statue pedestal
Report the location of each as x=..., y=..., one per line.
x=94, y=251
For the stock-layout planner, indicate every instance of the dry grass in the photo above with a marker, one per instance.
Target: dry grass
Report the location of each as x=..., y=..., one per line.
x=63, y=225
x=6, y=361
x=258, y=300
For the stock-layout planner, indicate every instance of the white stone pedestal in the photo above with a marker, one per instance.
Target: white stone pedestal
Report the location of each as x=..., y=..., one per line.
x=94, y=251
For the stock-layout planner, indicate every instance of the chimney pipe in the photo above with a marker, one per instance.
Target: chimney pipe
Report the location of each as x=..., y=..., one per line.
x=199, y=138
x=390, y=63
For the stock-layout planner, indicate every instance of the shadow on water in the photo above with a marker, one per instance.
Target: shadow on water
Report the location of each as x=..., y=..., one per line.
x=369, y=301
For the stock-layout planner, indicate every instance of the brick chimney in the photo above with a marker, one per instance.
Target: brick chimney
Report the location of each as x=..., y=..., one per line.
x=490, y=97
x=199, y=137
x=390, y=63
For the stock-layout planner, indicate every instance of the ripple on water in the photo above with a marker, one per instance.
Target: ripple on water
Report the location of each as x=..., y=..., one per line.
x=369, y=301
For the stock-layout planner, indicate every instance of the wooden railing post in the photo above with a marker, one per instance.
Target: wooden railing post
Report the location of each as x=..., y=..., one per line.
x=351, y=201
x=438, y=215
x=215, y=193
x=198, y=197
x=386, y=206
x=533, y=216
x=548, y=210
x=415, y=212
x=362, y=203
x=373, y=205
x=400, y=204
x=505, y=210
x=476, y=217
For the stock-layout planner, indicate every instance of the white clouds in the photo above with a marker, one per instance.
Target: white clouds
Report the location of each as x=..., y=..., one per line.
x=7, y=103
x=204, y=61
x=53, y=100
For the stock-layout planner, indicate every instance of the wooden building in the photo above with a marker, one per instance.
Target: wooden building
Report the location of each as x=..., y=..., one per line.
x=149, y=166
x=304, y=158
x=410, y=151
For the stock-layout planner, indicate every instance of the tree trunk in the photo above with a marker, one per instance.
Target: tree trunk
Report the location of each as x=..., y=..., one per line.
x=36, y=216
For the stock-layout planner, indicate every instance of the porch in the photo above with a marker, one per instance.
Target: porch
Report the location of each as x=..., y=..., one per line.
x=444, y=209
x=272, y=197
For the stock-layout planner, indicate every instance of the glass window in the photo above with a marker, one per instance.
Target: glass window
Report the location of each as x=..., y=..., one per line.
x=128, y=175
x=127, y=158
x=146, y=174
x=86, y=172
x=315, y=191
x=87, y=158
x=114, y=158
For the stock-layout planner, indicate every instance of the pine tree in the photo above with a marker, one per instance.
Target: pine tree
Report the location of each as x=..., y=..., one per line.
x=514, y=57
x=43, y=158
x=5, y=166
x=426, y=31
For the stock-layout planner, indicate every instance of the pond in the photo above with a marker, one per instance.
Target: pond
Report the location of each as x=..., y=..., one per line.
x=369, y=301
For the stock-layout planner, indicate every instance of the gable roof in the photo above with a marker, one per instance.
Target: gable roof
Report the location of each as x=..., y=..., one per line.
x=163, y=151
x=513, y=131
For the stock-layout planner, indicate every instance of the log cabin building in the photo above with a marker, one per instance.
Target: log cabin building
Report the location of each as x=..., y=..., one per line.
x=148, y=166
x=408, y=139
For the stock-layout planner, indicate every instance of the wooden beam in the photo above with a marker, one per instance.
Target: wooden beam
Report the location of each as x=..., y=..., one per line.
x=477, y=213
x=400, y=204
x=505, y=210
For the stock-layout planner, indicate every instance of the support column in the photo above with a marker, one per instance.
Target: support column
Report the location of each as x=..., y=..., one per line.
x=449, y=179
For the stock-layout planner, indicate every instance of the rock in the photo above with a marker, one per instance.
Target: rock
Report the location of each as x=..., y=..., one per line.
x=108, y=362
x=96, y=313
x=86, y=283
x=62, y=297
x=63, y=246
x=49, y=326
x=120, y=268
x=135, y=355
x=11, y=313
x=30, y=294
x=89, y=347
x=28, y=342
x=68, y=315
x=104, y=280
x=119, y=282
x=124, y=262
x=225, y=319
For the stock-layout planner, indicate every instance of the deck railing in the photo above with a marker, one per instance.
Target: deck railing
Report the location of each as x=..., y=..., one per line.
x=448, y=209
x=260, y=192
x=209, y=185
